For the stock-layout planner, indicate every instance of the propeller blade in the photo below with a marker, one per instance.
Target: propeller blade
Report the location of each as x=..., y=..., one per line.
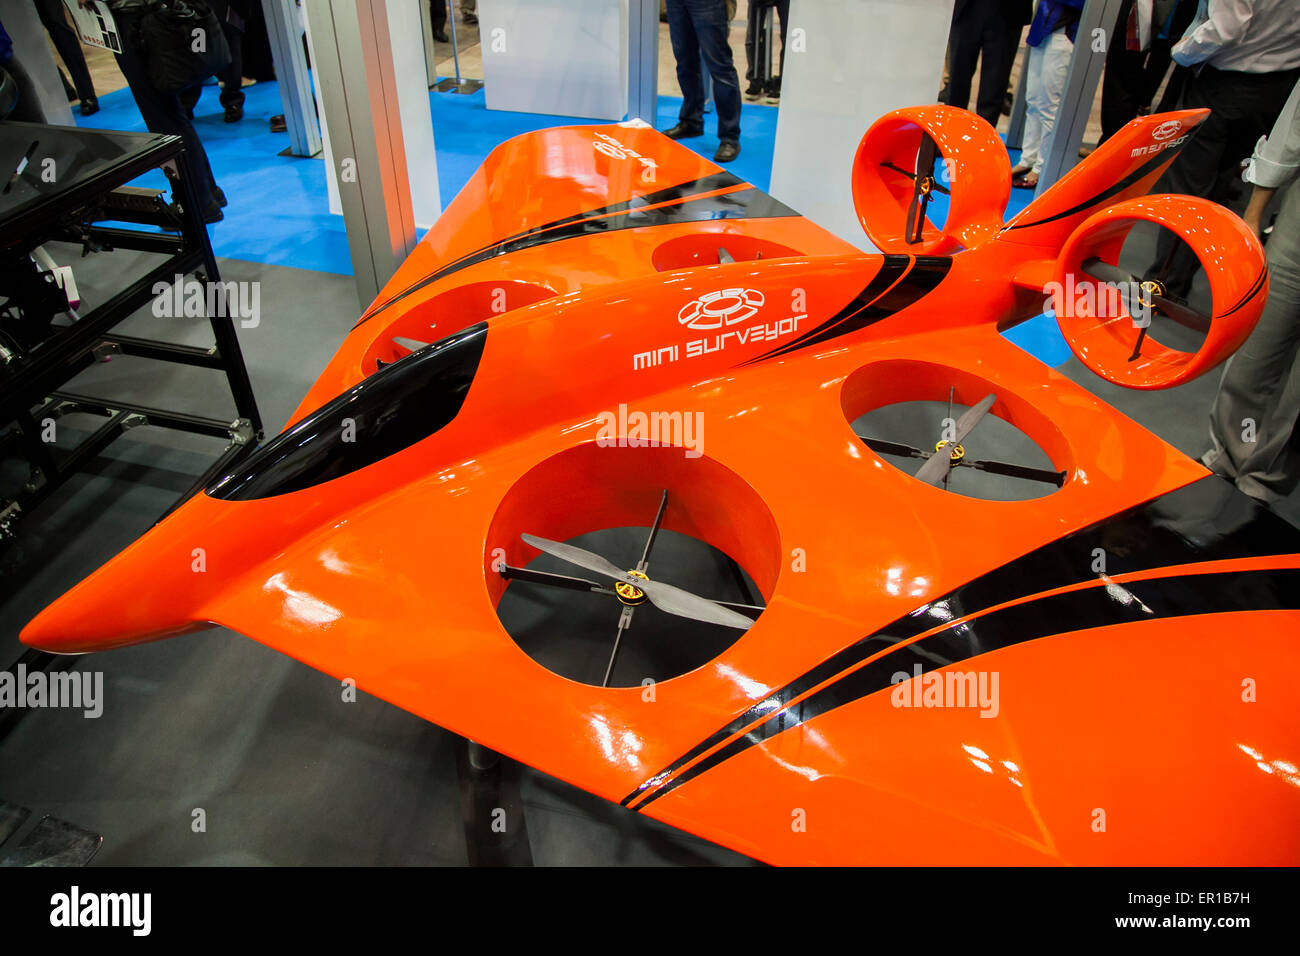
x=666, y=597
x=1105, y=272
x=1182, y=313
x=900, y=169
x=937, y=465
x=922, y=183
x=578, y=556
x=411, y=345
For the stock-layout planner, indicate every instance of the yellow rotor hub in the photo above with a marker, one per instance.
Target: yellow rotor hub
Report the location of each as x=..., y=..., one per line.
x=956, y=453
x=1148, y=291
x=630, y=594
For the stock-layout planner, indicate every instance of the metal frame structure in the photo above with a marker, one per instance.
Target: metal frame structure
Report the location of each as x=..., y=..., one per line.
x=285, y=31
x=70, y=215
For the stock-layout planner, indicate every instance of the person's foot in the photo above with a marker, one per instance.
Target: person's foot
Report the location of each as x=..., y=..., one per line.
x=89, y=106
x=278, y=124
x=441, y=36
x=772, y=96
x=212, y=211
x=1028, y=181
x=684, y=131
x=1019, y=170
x=1086, y=151
x=234, y=114
x=471, y=17
x=753, y=91
x=219, y=196
x=727, y=151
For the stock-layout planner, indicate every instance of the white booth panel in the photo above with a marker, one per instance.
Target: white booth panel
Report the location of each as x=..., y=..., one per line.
x=558, y=57
x=847, y=63
x=413, y=105
x=407, y=39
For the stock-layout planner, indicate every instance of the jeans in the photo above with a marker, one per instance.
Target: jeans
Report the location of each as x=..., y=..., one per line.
x=1253, y=421
x=698, y=28
x=1049, y=63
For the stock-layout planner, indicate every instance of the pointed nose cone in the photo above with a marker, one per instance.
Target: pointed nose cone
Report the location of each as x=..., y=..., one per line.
x=155, y=588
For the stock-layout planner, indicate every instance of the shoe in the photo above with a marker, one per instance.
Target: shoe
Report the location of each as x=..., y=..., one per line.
x=753, y=91
x=234, y=114
x=219, y=196
x=212, y=211
x=441, y=36
x=772, y=96
x=278, y=124
x=89, y=106
x=1028, y=181
x=682, y=131
x=727, y=151
x=470, y=17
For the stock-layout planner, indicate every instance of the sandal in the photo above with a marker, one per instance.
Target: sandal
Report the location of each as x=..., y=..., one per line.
x=1027, y=181
x=1018, y=171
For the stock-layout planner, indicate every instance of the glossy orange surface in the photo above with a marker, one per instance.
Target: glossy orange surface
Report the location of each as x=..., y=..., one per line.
x=385, y=575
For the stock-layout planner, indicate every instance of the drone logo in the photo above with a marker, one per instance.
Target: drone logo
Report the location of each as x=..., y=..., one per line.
x=1166, y=130
x=713, y=310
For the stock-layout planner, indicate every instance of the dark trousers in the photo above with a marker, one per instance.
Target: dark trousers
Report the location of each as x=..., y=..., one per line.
x=982, y=30
x=699, y=28
x=232, y=77
x=1132, y=77
x=69, y=46
x=162, y=112
x=753, y=29
x=438, y=14
x=1244, y=107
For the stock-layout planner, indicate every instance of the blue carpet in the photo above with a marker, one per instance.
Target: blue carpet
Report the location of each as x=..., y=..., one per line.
x=279, y=208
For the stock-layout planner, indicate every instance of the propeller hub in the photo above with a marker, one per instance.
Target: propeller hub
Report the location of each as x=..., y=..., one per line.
x=925, y=185
x=630, y=594
x=1149, y=291
x=956, y=453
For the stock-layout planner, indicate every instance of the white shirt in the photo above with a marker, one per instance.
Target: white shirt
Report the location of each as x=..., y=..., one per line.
x=1251, y=36
x=1277, y=156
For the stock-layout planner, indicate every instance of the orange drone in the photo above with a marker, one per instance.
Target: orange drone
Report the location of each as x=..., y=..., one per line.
x=606, y=331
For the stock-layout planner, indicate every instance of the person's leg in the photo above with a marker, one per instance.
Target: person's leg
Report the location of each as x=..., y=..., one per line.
x=1255, y=412
x=69, y=47
x=998, y=53
x=1032, y=140
x=686, y=51
x=1123, y=79
x=774, y=83
x=162, y=112
x=232, y=78
x=1193, y=173
x=752, y=24
x=963, y=53
x=438, y=16
x=1055, y=69
x=709, y=18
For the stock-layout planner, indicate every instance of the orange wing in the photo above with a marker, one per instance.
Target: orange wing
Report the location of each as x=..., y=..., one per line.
x=367, y=540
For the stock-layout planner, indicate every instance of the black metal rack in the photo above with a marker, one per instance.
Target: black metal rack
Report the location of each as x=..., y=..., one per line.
x=93, y=167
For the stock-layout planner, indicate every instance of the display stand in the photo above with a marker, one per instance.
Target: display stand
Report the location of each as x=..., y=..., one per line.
x=72, y=206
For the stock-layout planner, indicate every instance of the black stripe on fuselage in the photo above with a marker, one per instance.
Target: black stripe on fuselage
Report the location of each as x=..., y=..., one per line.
x=1250, y=293
x=1208, y=520
x=1164, y=156
x=689, y=203
x=1095, y=606
x=900, y=282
